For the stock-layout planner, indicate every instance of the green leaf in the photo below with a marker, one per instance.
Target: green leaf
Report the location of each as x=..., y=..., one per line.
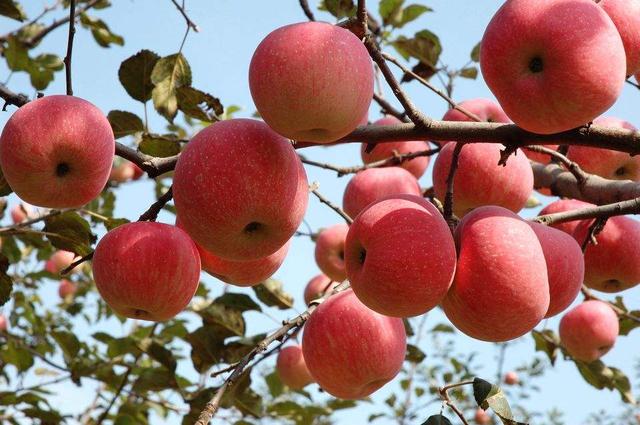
x=135, y=74
x=411, y=13
x=491, y=396
x=424, y=46
x=224, y=320
x=243, y=397
x=601, y=376
x=441, y=327
x=206, y=347
x=70, y=232
x=414, y=354
x=17, y=55
x=119, y=346
x=270, y=292
x=533, y=202
x=6, y=284
x=169, y=74
x=274, y=384
x=159, y=353
x=475, y=53
x=408, y=329
x=236, y=301
x=198, y=104
x=159, y=146
x=100, y=31
x=437, y=420
x=548, y=342
x=68, y=342
x=154, y=379
x=339, y=8
x=470, y=73
x=390, y=11
x=13, y=10
x=11, y=352
x=124, y=123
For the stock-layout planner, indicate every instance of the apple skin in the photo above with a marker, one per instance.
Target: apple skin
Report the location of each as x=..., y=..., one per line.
x=486, y=109
x=612, y=265
x=511, y=378
x=607, y=163
x=479, y=180
x=67, y=288
x=20, y=213
x=317, y=287
x=563, y=205
x=60, y=260
x=625, y=14
x=416, y=166
x=4, y=325
x=565, y=266
x=531, y=64
x=292, y=369
x=372, y=184
x=352, y=365
x=122, y=173
x=311, y=81
x=56, y=152
x=481, y=417
x=146, y=270
x=240, y=190
x=329, y=251
x=589, y=330
x=500, y=290
x=400, y=256
x=137, y=171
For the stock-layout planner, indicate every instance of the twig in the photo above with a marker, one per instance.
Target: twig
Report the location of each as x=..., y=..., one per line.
x=388, y=109
x=9, y=229
x=190, y=23
x=76, y=263
x=67, y=58
x=362, y=16
x=11, y=98
x=588, y=295
x=572, y=166
x=448, y=197
x=444, y=395
x=304, y=4
x=314, y=189
x=152, y=213
x=631, y=206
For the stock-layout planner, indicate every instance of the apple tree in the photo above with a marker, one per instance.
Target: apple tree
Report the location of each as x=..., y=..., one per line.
x=165, y=310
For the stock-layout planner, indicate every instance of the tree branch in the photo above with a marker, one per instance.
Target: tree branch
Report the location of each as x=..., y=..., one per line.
x=304, y=4
x=190, y=23
x=11, y=98
x=152, y=213
x=340, y=211
x=67, y=58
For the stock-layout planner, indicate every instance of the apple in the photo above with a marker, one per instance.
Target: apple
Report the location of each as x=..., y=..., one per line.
x=60, y=260
x=146, y=270
x=56, y=152
x=563, y=205
x=311, y=81
x=589, y=330
x=137, y=171
x=416, y=166
x=240, y=190
x=613, y=264
x=121, y=173
x=400, y=256
x=481, y=417
x=4, y=323
x=350, y=350
x=511, y=378
x=372, y=184
x=20, y=213
x=625, y=14
x=565, y=266
x=317, y=287
x=479, y=180
x=553, y=65
x=67, y=288
x=485, y=109
x=500, y=290
x=329, y=251
x=612, y=165
x=292, y=369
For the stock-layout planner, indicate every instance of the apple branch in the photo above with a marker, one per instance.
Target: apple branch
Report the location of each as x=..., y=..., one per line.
x=444, y=395
x=314, y=189
x=448, y=197
x=304, y=4
x=67, y=58
x=388, y=109
x=573, y=167
x=362, y=16
x=11, y=98
x=152, y=213
x=190, y=23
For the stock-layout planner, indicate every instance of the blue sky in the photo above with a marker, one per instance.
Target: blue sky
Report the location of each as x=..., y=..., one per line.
x=219, y=56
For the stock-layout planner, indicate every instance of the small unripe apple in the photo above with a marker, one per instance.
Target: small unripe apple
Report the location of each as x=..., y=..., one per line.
x=380, y=151
x=400, y=256
x=56, y=152
x=589, y=330
x=4, y=323
x=292, y=369
x=317, y=287
x=67, y=288
x=625, y=14
x=530, y=54
x=562, y=205
x=511, y=378
x=373, y=184
x=121, y=173
x=20, y=213
x=481, y=417
x=311, y=81
x=350, y=350
x=240, y=189
x=60, y=260
x=329, y=252
x=146, y=270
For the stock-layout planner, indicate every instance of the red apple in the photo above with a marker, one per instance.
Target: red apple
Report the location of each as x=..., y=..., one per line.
x=607, y=163
x=511, y=378
x=20, y=213
x=240, y=190
x=146, y=270
x=56, y=152
x=292, y=369
x=589, y=330
x=4, y=323
x=613, y=264
x=311, y=81
x=67, y=288
x=329, y=251
x=553, y=65
x=317, y=287
x=563, y=205
x=416, y=166
x=137, y=171
x=500, y=290
x=60, y=260
x=121, y=173
x=625, y=14
x=400, y=256
x=481, y=417
x=479, y=180
x=485, y=109
x=350, y=350
x=565, y=266
x=373, y=184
